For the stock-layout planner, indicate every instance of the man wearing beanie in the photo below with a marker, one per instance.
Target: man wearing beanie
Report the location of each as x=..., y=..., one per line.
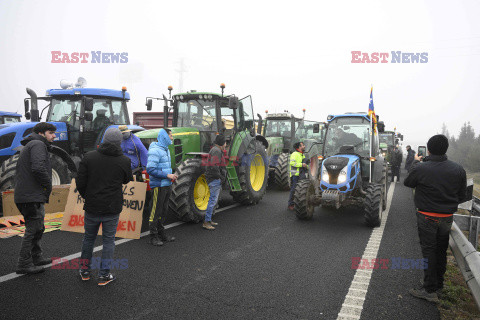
x=410, y=158
x=101, y=174
x=215, y=174
x=440, y=186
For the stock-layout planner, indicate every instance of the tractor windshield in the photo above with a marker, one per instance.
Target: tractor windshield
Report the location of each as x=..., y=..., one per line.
x=386, y=138
x=278, y=128
x=198, y=114
x=306, y=131
x=343, y=133
x=105, y=112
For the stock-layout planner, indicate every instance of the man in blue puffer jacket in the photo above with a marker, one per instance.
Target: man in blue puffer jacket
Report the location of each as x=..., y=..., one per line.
x=159, y=168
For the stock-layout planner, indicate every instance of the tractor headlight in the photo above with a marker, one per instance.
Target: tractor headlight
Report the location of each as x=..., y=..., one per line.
x=325, y=176
x=384, y=154
x=342, y=177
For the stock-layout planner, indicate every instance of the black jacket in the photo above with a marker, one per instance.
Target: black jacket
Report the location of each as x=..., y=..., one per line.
x=215, y=165
x=397, y=158
x=410, y=158
x=33, y=177
x=101, y=175
x=440, y=184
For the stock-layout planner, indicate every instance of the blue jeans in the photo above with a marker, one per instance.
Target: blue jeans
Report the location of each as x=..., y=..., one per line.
x=215, y=186
x=109, y=229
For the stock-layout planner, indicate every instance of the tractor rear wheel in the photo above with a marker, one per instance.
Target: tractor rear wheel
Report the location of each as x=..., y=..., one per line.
x=282, y=172
x=253, y=176
x=190, y=192
x=304, y=191
x=373, y=205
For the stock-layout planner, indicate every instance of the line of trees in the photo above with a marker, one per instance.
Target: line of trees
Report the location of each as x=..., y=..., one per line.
x=465, y=149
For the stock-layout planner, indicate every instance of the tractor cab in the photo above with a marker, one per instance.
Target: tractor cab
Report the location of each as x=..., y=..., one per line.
x=387, y=143
x=211, y=114
x=9, y=117
x=282, y=126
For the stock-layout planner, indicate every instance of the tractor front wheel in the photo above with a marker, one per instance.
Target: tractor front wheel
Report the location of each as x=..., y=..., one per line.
x=373, y=205
x=304, y=191
x=190, y=192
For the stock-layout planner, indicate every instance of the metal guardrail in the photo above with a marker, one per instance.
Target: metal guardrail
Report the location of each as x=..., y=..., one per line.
x=465, y=250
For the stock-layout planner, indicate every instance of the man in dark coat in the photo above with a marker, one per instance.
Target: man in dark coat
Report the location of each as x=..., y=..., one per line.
x=397, y=159
x=101, y=174
x=215, y=174
x=410, y=158
x=33, y=181
x=440, y=186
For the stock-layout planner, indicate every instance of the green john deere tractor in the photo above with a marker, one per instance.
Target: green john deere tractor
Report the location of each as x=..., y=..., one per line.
x=282, y=131
x=197, y=118
x=387, y=143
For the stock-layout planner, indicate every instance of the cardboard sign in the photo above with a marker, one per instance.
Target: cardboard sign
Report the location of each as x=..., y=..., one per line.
x=130, y=222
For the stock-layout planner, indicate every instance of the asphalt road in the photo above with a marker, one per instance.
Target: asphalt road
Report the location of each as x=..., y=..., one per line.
x=260, y=263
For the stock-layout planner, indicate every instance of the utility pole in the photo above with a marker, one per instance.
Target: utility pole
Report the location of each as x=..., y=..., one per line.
x=181, y=71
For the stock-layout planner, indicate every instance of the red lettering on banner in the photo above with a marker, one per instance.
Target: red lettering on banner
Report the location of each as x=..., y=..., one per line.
x=121, y=226
x=76, y=221
x=55, y=58
x=132, y=225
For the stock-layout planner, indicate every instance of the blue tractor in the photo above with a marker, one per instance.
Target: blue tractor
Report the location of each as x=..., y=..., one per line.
x=353, y=171
x=9, y=117
x=81, y=115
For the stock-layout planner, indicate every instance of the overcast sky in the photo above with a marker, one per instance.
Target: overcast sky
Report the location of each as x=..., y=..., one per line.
x=286, y=54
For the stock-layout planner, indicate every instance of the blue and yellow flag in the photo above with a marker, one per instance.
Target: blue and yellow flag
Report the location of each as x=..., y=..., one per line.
x=371, y=111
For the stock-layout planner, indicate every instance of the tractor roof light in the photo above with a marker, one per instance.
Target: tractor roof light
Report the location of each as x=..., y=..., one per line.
x=330, y=117
x=124, y=88
x=372, y=159
x=222, y=85
x=320, y=157
x=170, y=88
x=304, y=110
x=266, y=111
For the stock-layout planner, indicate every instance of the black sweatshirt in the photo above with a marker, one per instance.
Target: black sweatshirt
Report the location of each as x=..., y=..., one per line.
x=440, y=184
x=101, y=175
x=215, y=165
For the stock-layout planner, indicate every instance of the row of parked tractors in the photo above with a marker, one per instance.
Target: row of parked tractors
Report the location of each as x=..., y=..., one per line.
x=346, y=164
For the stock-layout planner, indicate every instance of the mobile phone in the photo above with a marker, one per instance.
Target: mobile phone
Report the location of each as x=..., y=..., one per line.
x=422, y=151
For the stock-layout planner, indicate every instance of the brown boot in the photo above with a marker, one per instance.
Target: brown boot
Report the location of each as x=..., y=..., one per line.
x=207, y=225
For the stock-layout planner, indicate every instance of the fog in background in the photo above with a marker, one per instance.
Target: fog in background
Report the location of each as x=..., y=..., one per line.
x=287, y=55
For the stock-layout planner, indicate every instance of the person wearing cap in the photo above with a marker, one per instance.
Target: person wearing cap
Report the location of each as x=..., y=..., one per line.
x=159, y=168
x=440, y=186
x=215, y=174
x=101, y=175
x=410, y=158
x=133, y=148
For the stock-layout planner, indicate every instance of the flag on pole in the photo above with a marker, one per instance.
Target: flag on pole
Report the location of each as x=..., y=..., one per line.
x=371, y=111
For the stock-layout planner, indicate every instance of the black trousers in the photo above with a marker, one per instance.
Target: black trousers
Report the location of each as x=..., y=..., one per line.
x=30, y=250
x=396, y=172
x=293, y=185
x=434, y=234
x=159, y=211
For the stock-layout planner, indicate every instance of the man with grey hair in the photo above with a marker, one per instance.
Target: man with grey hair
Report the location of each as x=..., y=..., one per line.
x=101, y=174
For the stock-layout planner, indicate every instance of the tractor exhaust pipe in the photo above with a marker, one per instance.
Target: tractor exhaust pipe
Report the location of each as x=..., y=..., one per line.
x=35, y=116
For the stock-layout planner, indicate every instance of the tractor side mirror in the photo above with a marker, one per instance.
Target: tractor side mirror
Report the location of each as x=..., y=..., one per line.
x=233, y=102
x=88, y=116
x=316, y=128
x=149, y=104
x=88, y=104
x=27, y=115
x=27, y=105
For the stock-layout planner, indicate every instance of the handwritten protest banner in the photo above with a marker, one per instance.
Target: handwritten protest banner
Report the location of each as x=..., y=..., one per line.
x=130, y=222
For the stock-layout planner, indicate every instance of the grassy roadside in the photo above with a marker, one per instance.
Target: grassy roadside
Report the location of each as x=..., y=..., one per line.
x=457, y=302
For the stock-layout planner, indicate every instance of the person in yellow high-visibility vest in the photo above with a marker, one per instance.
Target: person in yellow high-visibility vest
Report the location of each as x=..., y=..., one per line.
x=297, y=163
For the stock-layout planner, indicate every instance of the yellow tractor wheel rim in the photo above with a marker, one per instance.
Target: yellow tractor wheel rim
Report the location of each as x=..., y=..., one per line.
x=201, y=193
x=257, y=172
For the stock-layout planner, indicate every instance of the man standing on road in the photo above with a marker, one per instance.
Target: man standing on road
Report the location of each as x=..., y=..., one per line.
x=440, y=186
x=159, y=168
x=101, y=174
x=410, y=158
x=396, y=163
x=34, y=184
x=296, y=164
x=214, y=174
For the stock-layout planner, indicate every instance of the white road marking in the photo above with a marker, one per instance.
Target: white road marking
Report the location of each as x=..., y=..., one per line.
x=360, y=279
x=13, y=275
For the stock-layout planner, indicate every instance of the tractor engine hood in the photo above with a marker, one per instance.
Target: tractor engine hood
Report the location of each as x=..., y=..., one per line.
x=335, y=164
